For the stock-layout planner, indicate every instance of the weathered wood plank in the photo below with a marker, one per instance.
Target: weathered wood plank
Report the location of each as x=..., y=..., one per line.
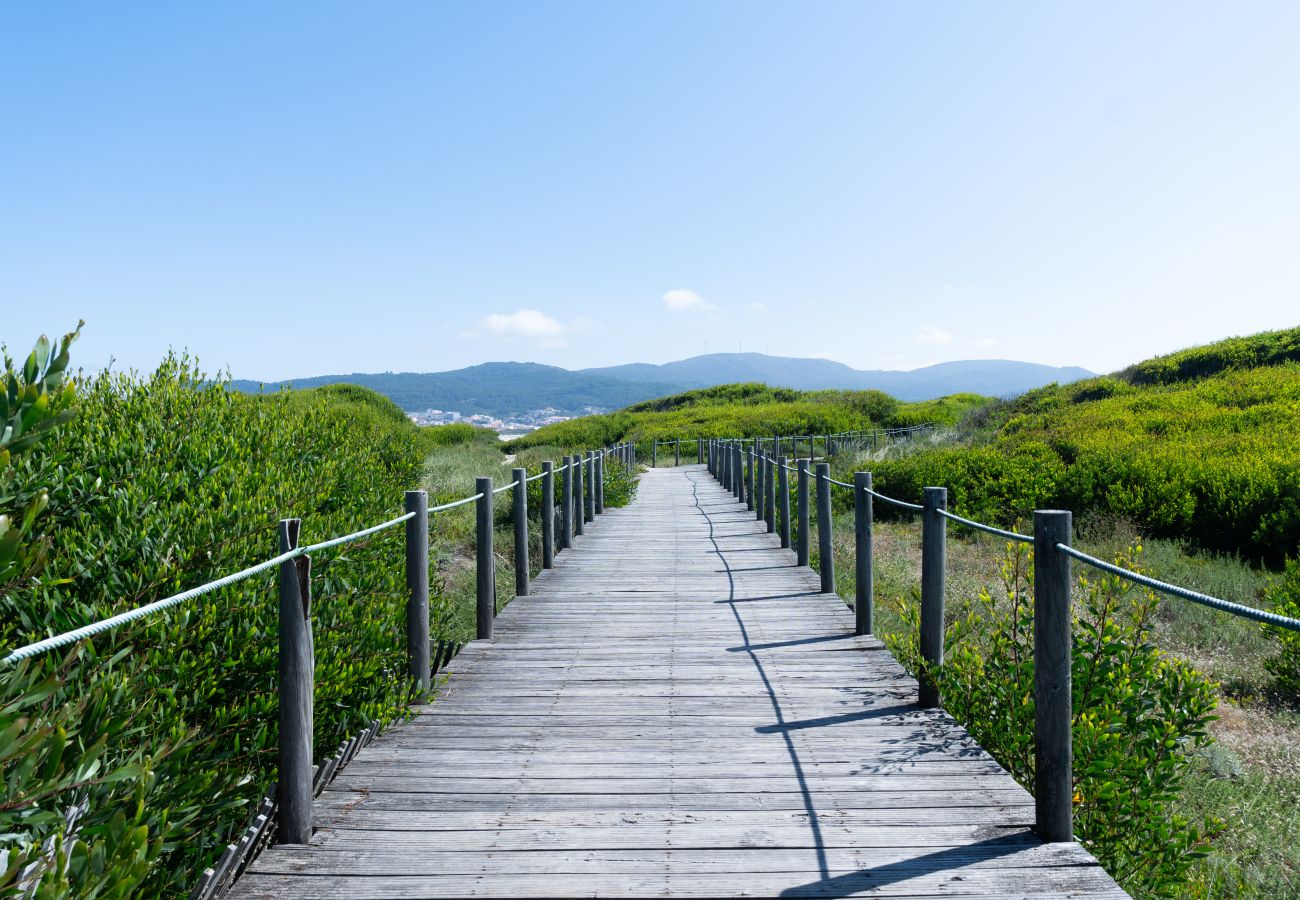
x=676, y=710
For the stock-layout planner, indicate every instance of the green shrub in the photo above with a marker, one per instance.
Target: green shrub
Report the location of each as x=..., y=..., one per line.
x=1138, y=713
x=457, y=434
x=1211, y=461
x=1282, y=596
x=1265, y=349
x=747, y=410
x=161, y=732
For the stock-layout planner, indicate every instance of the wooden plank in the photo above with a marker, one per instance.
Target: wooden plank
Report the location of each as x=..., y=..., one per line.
x=675, y=710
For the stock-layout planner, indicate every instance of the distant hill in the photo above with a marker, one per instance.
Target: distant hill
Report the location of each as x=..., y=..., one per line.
x=510, y=388
x=496, y=389
x=991, y=377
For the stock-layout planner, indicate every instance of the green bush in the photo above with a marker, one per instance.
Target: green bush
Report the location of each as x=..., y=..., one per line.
x=132, y=757
x=1282, y=596
x=1211, y=461
x=1268, y=348
x=457, y=434
x=1138, y=713
x=747, y=410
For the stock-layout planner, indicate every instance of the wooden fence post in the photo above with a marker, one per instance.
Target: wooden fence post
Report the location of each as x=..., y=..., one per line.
x=760, y=494
x=825, y=548
x=783, y=499
x=589, y=501
x=863, y=516
x=486, y=608
x=654, y=454
x=600, y=482
x=1053, y=692
x=769, y=490
x=548, y=514
x=579, y=493
x=417, y=585
x=519, y=512
x=566, y=504
x=677, y=452
x=699, y=451
x=801, y=548
x=749, y=480
x=934, y=553
x=296, y=669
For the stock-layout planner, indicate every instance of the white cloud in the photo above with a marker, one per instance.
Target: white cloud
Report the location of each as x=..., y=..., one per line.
x=529, y=325
x=760, y=308
x=931, y=335
x=685, y=300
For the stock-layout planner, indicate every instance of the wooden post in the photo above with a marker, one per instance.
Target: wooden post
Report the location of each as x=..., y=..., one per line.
x=297, y=669
x=801, y=548
x=589, y=504
x=417, y=586
x=486, y=608
x=749, y=480
x=825, y=549
x=770, y=494
x=699, y=451
x=783, y=501
x=600, y=481
x=760, y=493
x=934, y=536
x=776, y=447
x=519, y=512
x=566, y=504
x=654, y=454
x=677, y=452
x=548, y=514
x=864, y=571
x=1053, y=692
x=578, y=493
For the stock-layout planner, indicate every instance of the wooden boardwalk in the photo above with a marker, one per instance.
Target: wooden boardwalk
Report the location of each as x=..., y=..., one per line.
x=675, y=711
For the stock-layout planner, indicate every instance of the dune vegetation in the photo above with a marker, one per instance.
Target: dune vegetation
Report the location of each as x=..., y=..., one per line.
x=131, y=759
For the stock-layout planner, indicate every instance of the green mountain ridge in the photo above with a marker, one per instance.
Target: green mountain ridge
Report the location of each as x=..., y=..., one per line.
x=514, y=388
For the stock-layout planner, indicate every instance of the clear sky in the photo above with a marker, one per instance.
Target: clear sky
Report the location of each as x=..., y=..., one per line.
x=308, y=188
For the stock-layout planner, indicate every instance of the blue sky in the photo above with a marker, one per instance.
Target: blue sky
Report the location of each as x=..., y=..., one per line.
x=294, y=189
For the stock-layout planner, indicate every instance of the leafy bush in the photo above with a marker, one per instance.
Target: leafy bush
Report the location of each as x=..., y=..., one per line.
x=1138, y=713
x=747, y=410
x=130, y=758
x=456, y=434
x=1268, y=348
x=1210, y=461
x=1283, y=597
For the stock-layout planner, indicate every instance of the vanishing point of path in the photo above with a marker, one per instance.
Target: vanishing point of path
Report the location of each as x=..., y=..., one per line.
x=676, y=711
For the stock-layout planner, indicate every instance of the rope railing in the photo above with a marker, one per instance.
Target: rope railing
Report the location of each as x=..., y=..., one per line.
x=1236, y=609
x=915, y=507
x=94, y=628
x=980, y=526
x=743, y=468
x=453, y=504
